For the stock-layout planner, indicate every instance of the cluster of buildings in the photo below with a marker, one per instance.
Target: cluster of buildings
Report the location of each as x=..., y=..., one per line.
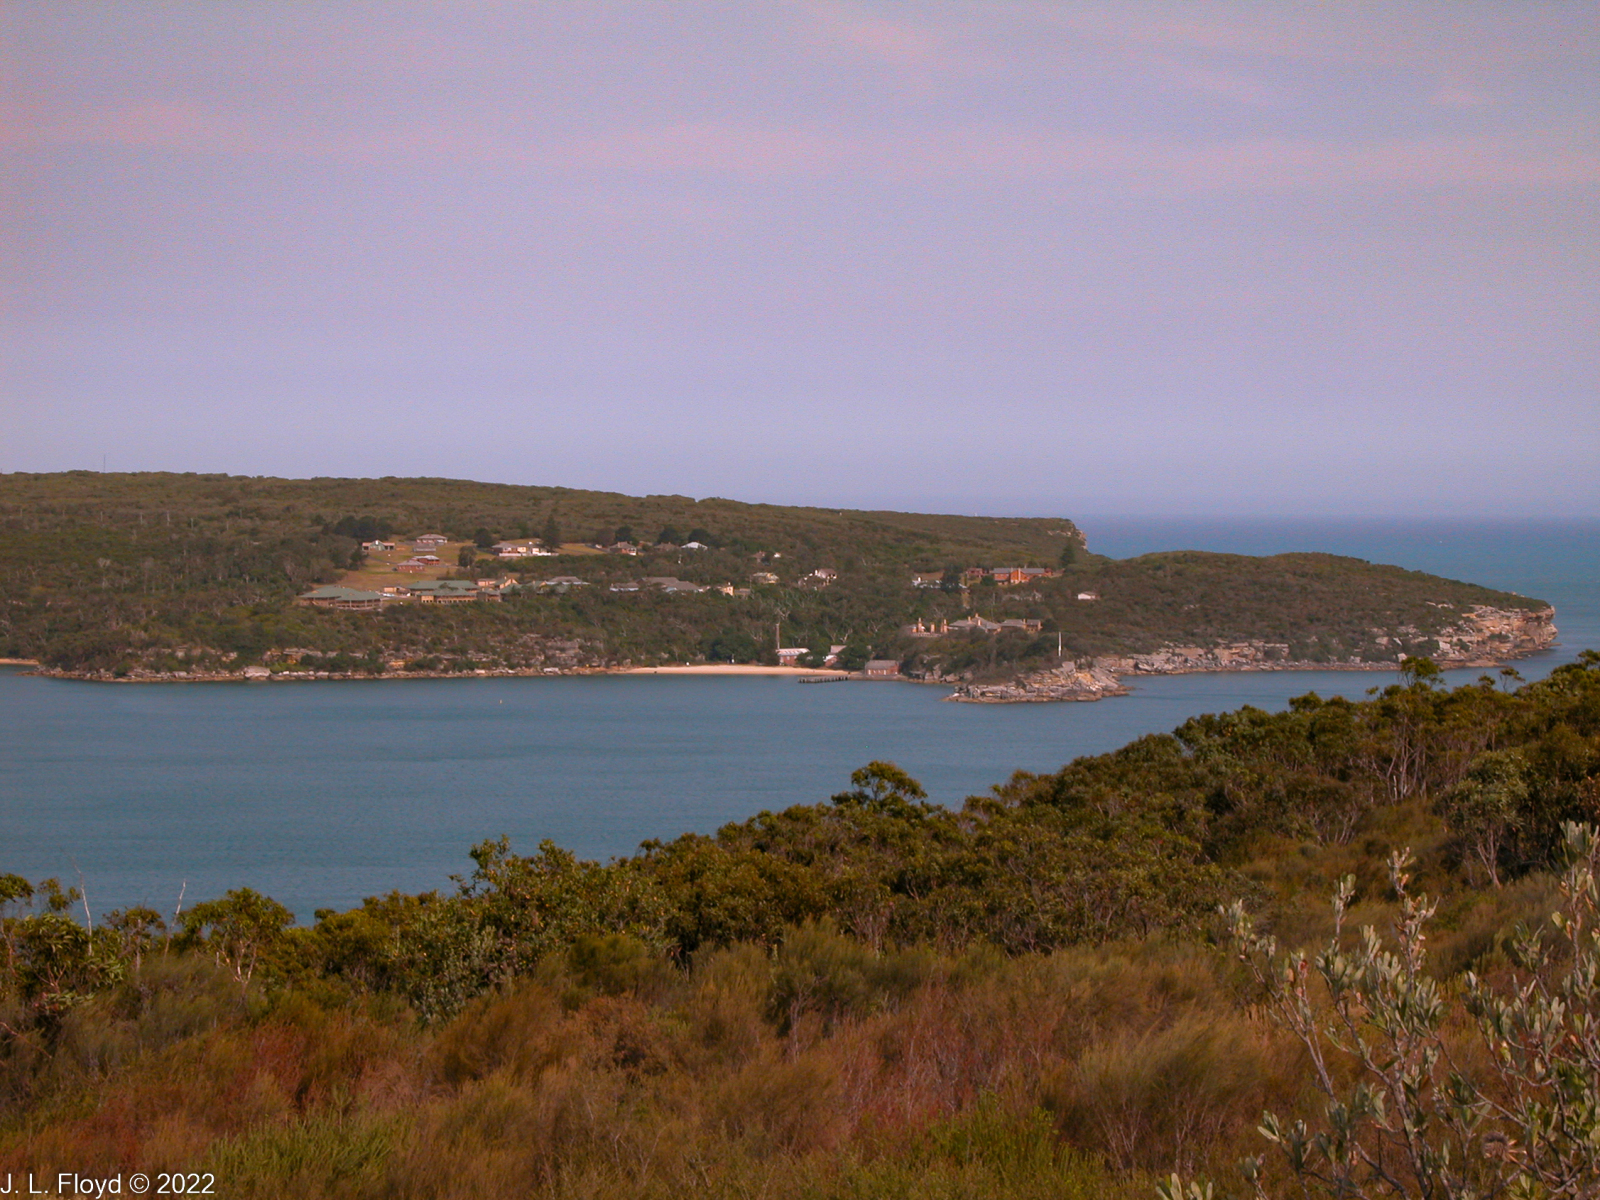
x=877, y=668
x=973, y=576
x=1006, y=576
x=423, y=591
x=630, y=548
x=522, y=548
x=672, y=585
x=972, y=624
x=423, y=556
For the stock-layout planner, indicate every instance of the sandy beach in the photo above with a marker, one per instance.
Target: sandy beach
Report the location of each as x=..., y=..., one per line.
x=734, y=669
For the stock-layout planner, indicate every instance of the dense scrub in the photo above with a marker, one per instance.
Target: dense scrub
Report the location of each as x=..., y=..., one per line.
x=166, y=573
x=869, y=997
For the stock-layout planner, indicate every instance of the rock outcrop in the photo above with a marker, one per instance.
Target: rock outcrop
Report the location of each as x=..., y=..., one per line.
x=1060, y=683
x=1487, y=637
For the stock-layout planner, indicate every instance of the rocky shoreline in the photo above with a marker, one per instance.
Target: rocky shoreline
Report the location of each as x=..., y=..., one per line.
x=1485, y=637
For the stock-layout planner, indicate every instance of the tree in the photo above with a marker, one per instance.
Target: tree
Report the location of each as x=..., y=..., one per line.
x=482, y=538
x=1069, y=554
x=881, y=786
x=51, y=961
x=670, y=536
x=136, y=928
x=854, y=656
x=732, y=645
x=467, y=557
x=551, y=534
x=1486, y=808
x=1419, y=671
x=237, y=929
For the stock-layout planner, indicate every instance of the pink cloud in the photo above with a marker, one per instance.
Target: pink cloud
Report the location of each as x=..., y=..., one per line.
x=1230, y=85
x=154, y=125
x=1390, y=36
x=971, y=152
x=898, y=43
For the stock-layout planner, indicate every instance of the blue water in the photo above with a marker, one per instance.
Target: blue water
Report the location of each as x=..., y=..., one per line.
x=322, y=793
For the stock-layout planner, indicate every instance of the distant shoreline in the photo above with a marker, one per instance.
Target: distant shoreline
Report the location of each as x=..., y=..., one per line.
x=706, y=669
x=968, y=693
x=736, y=669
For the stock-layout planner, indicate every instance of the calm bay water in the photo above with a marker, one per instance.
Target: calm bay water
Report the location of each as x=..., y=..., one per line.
x=321, y=793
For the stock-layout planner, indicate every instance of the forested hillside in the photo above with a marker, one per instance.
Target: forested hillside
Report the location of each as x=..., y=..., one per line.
x=150, y=575
x=1034, y=996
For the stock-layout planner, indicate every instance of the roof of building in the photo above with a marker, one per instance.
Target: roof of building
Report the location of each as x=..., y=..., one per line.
x=335, y=592
x=882, y=664
x=670, y=583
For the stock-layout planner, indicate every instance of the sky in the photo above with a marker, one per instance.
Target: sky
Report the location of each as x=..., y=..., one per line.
x=1015, y=258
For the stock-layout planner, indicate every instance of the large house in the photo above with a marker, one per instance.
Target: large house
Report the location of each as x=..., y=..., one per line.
x=1010, y=576
x=1006, y=576
x=820, y=578
x=881, y=668
x=789, y=656
x=429, y=541
x=346, y=599
x=975, y=624
x=669, y=583
x=453, y=591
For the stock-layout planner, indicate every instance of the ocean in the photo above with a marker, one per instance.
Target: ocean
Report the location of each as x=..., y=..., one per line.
x=321, y=793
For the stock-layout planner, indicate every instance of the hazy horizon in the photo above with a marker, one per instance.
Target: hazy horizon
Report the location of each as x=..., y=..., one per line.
x=1041, y=259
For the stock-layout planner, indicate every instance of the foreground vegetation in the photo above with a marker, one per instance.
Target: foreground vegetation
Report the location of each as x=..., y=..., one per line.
x=127, y=574
x=1034, y=996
